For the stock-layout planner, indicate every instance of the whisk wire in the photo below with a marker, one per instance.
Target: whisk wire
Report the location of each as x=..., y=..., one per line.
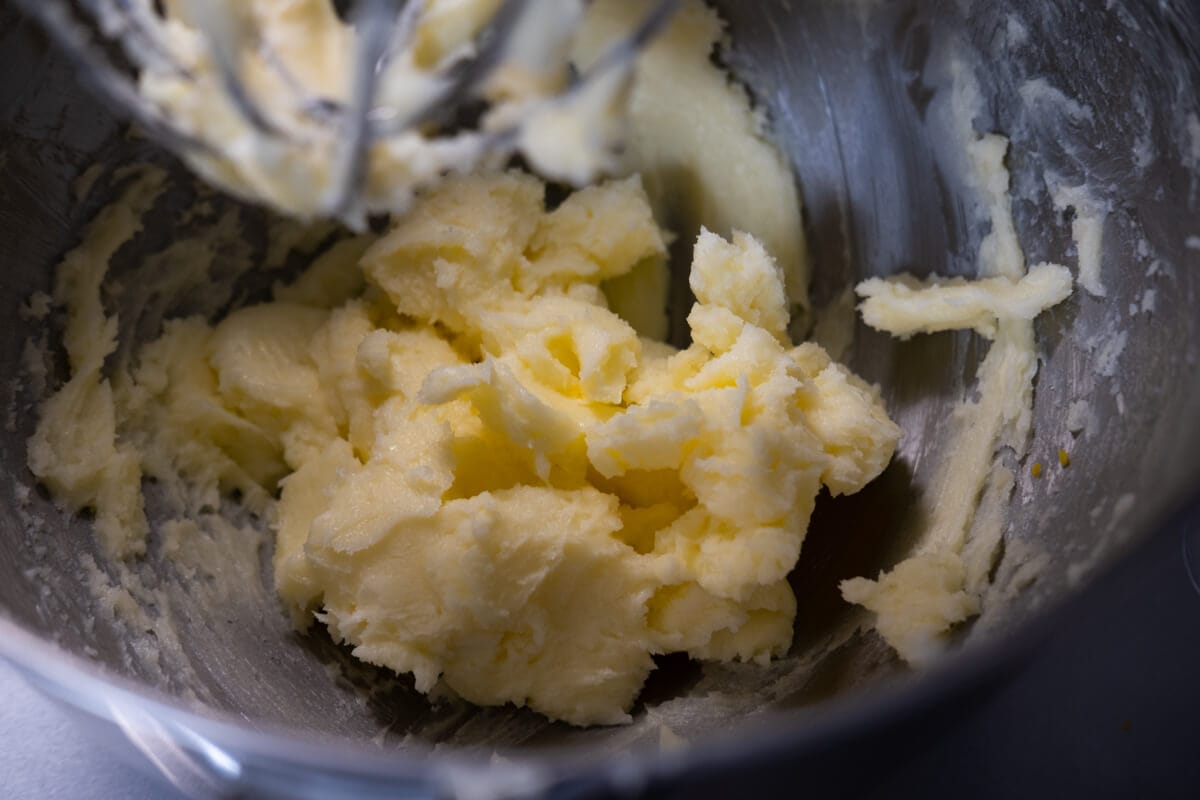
x=463, y=75
x=134, y=25
x=97, y=68
x=374, y=20
x=225, y=38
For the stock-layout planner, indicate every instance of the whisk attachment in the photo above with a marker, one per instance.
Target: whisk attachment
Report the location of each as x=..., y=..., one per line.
x=347, y=112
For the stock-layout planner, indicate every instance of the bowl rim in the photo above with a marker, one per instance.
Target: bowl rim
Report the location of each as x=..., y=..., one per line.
x=87, y=687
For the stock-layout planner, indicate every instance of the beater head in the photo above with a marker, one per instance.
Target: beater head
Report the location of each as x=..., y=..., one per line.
x=346, y=109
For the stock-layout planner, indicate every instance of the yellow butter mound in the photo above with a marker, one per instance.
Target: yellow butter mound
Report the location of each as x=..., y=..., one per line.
x=489, y=479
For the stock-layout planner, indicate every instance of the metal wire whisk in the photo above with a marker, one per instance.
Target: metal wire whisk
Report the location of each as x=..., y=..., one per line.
x=412, y=93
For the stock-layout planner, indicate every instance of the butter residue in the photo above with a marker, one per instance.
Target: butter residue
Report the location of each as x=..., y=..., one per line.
x=75, y=451
x=477, y=472
x=905, y=306
x=945, y=581
x=1087, y=230
x=697, y=141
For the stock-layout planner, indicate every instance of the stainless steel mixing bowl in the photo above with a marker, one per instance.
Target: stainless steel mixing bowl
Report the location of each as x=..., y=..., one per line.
x=223, y=697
